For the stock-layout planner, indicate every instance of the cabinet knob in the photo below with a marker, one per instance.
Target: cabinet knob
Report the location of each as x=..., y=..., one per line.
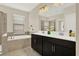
x=54, y=48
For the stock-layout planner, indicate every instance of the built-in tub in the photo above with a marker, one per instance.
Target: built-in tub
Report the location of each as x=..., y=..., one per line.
x=18, y=42
x=19, y=37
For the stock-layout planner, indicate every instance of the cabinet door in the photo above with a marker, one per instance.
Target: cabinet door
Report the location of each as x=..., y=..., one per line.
x=36, y=43
x=58, y=50
x=68, y=51
x=47, y=50
x=62, y=47
x=61, y=50
x=39, y=44
x=33, y=42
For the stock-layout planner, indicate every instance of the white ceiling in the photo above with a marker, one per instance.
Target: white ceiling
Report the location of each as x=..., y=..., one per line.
x=21, y=6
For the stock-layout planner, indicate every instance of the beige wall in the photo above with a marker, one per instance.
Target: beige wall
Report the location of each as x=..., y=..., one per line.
x=34, y=20
x=70, y=18
x=0, y=40
x=77, y=29
x=10, y=12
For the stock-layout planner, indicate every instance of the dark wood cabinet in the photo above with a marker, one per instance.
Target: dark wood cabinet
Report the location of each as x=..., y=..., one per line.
x=63, y=47
x=36, y=43
x=63, y=51
x=47, y=46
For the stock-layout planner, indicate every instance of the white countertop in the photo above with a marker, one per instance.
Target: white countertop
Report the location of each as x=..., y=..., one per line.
x=56, y=35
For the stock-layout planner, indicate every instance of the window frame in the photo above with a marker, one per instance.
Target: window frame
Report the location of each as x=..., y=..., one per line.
x=14, y=24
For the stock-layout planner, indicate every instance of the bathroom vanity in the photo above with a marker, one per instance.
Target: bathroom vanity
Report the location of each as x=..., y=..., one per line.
x=53, y=44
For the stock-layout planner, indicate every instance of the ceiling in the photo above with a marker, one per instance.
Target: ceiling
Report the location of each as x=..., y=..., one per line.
x=21, y=6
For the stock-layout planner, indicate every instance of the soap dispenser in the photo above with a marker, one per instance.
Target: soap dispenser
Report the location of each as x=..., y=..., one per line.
x=48, y=32
x=70, y=32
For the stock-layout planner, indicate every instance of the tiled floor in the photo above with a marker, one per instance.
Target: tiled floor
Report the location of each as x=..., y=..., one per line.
x=22, y=52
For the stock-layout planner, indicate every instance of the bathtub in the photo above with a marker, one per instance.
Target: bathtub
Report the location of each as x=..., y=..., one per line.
x=19, y=37
x=18, y=42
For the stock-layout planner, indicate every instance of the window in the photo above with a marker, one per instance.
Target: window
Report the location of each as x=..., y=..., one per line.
x=18, y=24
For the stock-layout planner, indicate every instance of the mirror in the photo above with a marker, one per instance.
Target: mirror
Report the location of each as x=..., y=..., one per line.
x=52, y=17
x=47, y=25
x=55, y=25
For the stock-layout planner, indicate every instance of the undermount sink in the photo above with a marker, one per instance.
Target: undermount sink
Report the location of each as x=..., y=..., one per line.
x=61, y=33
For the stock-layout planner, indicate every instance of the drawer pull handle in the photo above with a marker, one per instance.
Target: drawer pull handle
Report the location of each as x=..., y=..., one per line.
x=53, y=48
x=34, y=41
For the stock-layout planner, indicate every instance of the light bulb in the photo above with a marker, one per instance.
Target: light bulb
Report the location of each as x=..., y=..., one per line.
x=43, y=9
x=46, y=8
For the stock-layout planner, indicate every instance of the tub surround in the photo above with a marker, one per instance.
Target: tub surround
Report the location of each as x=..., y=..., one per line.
x=19, y=37
x=17, y=42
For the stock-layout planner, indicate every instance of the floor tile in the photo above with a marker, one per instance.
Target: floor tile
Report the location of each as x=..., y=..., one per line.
x=22, y=52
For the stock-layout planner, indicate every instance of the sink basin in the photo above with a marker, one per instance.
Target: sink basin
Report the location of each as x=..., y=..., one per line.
x=61, y=33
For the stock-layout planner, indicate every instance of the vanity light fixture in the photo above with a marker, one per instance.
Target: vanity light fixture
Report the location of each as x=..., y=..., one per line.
x=43, y=9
